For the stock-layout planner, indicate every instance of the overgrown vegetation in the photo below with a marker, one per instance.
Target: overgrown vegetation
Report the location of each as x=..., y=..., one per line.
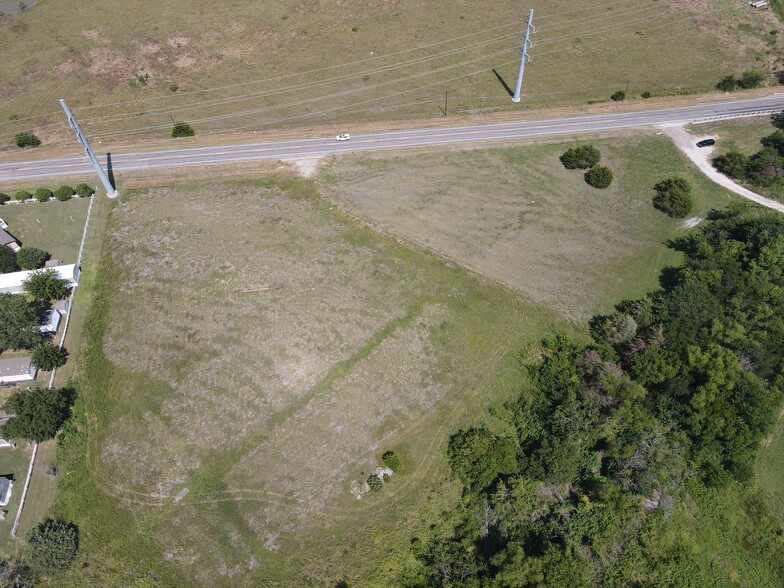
x=750, y=79
x=593, y=476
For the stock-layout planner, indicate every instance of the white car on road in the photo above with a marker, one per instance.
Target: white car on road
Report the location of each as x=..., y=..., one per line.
x=343, y=137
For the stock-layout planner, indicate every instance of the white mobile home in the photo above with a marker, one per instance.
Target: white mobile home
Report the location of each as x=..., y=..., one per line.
x=19, y=369
x=12, y=283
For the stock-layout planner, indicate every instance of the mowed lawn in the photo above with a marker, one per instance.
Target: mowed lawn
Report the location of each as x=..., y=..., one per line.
x=262, y=351
x=770, y=474
x=53, y=226
x=517, y=216
x=274, y=63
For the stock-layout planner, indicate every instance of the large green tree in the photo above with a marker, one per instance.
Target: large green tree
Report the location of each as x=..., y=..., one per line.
x=48, y=356
x=38, y=413
x=51, y=547
x=20, y=323
x=31, y=258
x=46, y=284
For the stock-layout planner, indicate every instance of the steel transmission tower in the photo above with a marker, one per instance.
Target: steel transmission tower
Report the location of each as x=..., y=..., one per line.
x=527, y=44
x=110, y=191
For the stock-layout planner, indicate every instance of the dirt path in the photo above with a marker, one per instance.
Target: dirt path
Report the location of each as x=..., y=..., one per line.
x=701, y=158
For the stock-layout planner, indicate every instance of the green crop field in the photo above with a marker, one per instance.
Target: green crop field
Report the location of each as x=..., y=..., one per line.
x=263, y=65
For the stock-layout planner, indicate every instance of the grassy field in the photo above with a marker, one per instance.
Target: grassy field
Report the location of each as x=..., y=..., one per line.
x=518, y=217
x=13, y=463
x=55, y=227
x=275, y=64
x=282, y=351
x=770, y=475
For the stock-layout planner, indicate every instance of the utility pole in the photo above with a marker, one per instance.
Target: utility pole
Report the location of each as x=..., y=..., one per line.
x=446, y=101
x=110, y=191
x=527, y=44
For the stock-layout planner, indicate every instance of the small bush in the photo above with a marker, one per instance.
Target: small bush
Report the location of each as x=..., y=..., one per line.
x=751, y=79
x=599, y=177
x=619, y=96
x=182, y=129
x=22, y=195
x=4, y=198
x=84, y=191
x=23, y=140
x=391, y=460
x=646, y=94
x=43, y=194
x=732, y=164
x=673, y=197
x=64, y=193
x=374, y=482
x=727, y=83
x=581, y=157
x=30, y=258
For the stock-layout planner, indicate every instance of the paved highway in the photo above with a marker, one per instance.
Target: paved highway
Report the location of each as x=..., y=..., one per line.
x=392, y=140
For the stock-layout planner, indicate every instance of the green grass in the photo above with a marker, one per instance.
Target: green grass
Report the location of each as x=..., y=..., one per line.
x=470, y=331
x=742, y=134
x=126, y=57
x=515, y=215
x=55, y=227
x=770, y=473
x=13, y=462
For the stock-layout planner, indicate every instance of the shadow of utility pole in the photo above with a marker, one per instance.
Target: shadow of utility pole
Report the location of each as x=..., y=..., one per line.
x=503, y=83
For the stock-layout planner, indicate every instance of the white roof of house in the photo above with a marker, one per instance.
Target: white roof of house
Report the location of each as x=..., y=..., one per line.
x=12, y=283
x=17, y=366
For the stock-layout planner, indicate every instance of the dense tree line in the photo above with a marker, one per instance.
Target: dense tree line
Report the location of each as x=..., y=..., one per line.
x=575, y=482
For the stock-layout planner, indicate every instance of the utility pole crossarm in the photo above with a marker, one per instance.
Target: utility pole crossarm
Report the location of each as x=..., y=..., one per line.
x=527, y=44
x=110, y=191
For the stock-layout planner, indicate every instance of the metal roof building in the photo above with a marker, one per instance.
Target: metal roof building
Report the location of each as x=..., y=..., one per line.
x=12, y=283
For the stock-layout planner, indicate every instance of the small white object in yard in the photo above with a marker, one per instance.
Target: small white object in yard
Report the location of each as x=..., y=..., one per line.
x=180, y=495
x=39, y=222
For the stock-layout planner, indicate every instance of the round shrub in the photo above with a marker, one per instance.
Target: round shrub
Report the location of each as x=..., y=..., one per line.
x=599, y=177
x=645, y=95
x=391, y=460
x=22, y=195
x=4, y=198
x=751, y=79
x=30, y=258
x=23, y=140
x=727, y=83
x=64, y=193
x=673, y=197
x=43, y=194
x=581, y=157
x=51, y=547
x=619, y=96
x=84, y=191
x=182, y=129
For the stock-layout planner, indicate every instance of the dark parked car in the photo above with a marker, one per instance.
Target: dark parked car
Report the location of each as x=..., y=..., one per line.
x=706, y=142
